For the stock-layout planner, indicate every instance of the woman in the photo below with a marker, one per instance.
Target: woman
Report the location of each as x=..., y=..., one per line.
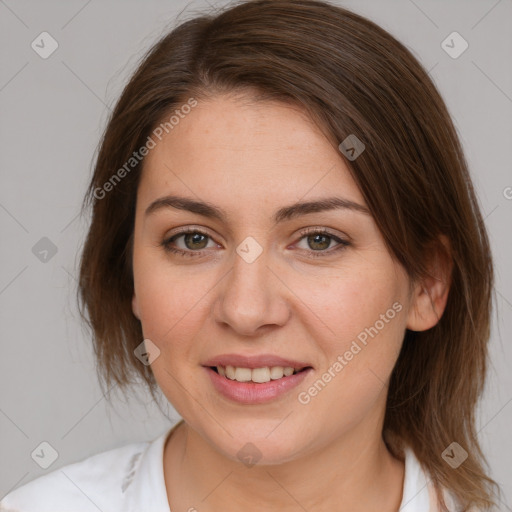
x=286, y=242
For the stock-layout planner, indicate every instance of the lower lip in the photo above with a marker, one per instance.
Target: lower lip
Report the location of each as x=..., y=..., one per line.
x=252, y=392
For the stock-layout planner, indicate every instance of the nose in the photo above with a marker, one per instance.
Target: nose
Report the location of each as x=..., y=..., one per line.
x=252, y=298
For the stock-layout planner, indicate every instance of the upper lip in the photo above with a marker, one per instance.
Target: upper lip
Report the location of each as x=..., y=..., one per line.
x=259, y=361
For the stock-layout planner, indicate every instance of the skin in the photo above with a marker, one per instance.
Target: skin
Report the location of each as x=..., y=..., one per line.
x=251, y=159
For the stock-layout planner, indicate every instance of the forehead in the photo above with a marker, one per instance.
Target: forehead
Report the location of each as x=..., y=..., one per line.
x=238, y=152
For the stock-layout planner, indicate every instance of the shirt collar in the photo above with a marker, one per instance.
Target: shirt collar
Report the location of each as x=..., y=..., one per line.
x=417, y=490
x=147, y=490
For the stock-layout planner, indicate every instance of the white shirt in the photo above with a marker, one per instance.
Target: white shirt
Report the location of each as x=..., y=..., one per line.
x=131, y=479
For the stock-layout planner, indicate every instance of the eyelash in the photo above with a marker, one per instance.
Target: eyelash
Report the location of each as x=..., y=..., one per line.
x=342, y=244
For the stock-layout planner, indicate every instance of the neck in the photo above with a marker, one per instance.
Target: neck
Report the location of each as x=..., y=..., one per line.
x=355, y=472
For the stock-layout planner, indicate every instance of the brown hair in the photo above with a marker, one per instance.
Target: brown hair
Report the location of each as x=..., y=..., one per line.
x=351, y=77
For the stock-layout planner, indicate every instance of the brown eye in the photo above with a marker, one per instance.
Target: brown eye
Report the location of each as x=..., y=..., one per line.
x=319, y=243
x=194, y=241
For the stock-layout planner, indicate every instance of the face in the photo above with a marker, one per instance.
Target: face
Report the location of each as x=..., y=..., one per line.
x=258, y=284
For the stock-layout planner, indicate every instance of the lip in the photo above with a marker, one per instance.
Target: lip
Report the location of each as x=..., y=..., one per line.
x=259, y=361
x=252, y=393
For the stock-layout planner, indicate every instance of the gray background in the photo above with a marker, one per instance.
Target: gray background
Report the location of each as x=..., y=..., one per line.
x=53, y=112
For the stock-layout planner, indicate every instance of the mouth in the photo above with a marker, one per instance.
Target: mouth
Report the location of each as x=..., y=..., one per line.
x=253, y=386
x=257, y=375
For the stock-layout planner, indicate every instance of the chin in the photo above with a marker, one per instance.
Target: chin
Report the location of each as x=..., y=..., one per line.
x=268, y=446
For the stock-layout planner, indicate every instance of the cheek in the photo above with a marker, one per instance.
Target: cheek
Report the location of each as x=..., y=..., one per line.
x=343, y=306
x=363, y=318
x=359, y=358
x=170, y=299
x=173, y=306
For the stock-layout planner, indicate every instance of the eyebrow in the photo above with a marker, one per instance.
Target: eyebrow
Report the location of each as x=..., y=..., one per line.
x=286, y=213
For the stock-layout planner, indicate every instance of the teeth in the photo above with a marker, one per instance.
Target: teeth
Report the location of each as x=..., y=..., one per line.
x=243, y=374
x=260, y=375
x=276, y=372
x=230, y=372
x=287, y=371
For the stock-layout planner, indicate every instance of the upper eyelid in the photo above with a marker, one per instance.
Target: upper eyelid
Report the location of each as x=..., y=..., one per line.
x=189, y=229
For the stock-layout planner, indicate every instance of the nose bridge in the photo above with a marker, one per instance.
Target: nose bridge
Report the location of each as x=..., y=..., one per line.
x=252, y=295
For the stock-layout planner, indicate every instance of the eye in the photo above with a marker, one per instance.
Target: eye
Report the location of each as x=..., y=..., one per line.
x=319, y=240
x=194, y=242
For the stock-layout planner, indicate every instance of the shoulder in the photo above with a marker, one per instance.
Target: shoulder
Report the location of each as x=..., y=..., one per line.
x=95, y=483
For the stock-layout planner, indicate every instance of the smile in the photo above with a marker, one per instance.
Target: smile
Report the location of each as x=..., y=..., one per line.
x=257, y=385
x=259, y=375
